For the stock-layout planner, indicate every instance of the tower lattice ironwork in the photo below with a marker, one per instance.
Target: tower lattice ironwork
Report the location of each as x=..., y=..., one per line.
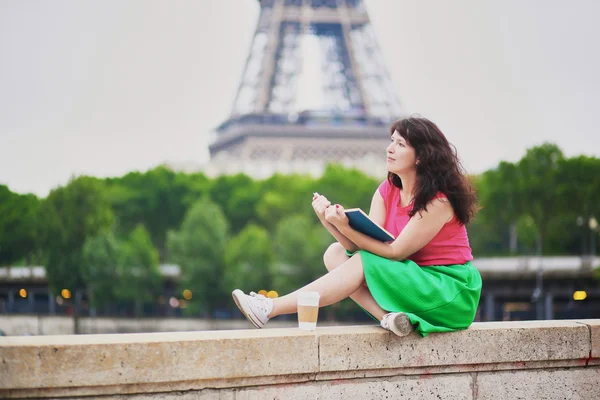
x=314, y=90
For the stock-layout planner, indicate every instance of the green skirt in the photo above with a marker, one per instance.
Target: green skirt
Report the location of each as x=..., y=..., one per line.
x=435, y=298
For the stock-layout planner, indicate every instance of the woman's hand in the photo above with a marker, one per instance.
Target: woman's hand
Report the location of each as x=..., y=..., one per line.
x=320, y=204
x=336, y=216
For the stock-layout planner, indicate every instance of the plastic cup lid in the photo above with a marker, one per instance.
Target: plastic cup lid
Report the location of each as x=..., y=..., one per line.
x=309, y=295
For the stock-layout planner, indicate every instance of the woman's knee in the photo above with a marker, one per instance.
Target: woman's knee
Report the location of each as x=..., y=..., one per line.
x=334, y=256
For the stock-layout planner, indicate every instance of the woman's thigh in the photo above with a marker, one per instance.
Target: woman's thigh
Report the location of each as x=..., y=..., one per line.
x=334, y=256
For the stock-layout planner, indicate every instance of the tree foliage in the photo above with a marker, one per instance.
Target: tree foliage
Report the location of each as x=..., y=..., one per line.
x=68, y=217
x=199, y=248
x=110, y=235
x=140, y=280
x=19, y=231
x=157, y=199
x=249, y=260
x=299, y=244
x=99, y=268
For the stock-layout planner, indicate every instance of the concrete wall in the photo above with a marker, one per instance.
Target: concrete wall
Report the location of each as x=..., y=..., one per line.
x=17, y=325
x=494, y=360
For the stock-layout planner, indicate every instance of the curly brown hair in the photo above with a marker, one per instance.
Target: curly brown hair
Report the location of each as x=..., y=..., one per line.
x=438, y=169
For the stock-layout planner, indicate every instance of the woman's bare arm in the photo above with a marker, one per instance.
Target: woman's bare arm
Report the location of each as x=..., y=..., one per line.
x=343, y=240
x=376, y=213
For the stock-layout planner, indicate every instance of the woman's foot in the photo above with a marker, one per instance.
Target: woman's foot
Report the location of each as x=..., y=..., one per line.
x=255, y=307
x=397, y=323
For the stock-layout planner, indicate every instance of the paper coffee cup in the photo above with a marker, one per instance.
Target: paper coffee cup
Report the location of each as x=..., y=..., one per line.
x=308, y=310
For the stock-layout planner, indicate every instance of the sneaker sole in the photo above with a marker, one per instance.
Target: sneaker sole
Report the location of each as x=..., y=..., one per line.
x=401, y=325
x=240, y=301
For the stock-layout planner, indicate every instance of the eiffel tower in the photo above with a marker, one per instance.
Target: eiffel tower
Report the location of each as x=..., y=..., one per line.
x=314, y=90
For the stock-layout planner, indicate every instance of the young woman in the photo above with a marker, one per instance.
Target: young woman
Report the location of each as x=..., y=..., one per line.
x=424, y=279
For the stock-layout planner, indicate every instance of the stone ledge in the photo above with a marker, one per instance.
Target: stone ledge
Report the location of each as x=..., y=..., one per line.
x=594, y=325
x=483, y=343
x=582, y=383
x=61, y=366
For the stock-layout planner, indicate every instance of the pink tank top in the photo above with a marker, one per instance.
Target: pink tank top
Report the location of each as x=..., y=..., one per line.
x=449, y=246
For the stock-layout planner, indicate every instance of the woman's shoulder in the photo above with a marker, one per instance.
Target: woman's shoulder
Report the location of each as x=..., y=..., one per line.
x=440, y=199
x=439, y=196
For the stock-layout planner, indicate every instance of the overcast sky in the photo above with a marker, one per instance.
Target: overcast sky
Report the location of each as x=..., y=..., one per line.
x=105, y=87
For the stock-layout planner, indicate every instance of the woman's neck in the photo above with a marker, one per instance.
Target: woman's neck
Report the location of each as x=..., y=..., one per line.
x=409, y=183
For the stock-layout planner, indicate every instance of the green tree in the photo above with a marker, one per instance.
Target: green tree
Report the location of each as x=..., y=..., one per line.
x=19, y=234
x=578, y=193
x=250, y=260
x=282, y=196
x=538, y=178
x=237, y=195
x=140, y=279
x=157, y=199
x=299, y=245
x=99, y=269
x=349, y=187
x=527, y=233
x=494, y=230
x=199, y=248
x=68, y=217
x=579, y=186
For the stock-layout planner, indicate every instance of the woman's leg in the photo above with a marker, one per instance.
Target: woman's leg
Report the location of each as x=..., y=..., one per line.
x=336, y=256
x=341, y=282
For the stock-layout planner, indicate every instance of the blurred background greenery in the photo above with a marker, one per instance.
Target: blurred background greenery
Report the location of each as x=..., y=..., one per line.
x=108, y=237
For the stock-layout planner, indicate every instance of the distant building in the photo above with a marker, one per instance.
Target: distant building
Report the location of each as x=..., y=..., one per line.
x=314, y=90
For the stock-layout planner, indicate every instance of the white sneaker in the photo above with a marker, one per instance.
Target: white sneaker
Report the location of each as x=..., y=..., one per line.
x=255, y=307
x=397, y=323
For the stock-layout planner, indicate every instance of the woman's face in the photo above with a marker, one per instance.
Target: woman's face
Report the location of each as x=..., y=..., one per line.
x=400, y=155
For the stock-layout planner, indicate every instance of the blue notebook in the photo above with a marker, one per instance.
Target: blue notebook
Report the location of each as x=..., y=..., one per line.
x=361, y=222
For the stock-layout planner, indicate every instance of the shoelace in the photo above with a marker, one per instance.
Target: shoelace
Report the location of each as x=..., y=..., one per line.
x=262, y=304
